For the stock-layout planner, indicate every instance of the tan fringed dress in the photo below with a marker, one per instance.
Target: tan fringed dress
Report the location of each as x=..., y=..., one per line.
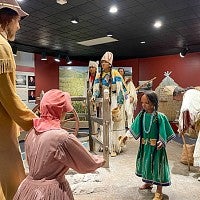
x=12, y=112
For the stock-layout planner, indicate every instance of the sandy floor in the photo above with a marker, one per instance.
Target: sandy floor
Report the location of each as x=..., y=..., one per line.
x=120, y=183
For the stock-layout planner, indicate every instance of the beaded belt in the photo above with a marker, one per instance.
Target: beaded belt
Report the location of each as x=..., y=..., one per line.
x=152, y=142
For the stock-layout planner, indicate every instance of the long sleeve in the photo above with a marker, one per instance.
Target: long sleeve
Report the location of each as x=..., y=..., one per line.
x=11, y=105
x=135, y=127
x=96, y=87
x=74, y=155
x=132, y=92
x=166, y=132
x=119, y=86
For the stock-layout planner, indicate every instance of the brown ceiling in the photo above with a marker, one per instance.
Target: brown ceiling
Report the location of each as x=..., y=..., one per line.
x=49, y=28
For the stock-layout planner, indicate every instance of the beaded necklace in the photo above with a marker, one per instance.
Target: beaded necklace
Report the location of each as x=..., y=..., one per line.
x=150, y=124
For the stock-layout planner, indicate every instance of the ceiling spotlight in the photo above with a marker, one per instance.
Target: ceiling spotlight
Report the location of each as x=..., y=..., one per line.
x=57, y=58
x=14, y=50
x=75, y=21
x=109, y=34
x=183, y=52
x=113, y=9
x=157, y=24
x=142, y=42
x=68, y=60
x=43, y=56
x=61, y=2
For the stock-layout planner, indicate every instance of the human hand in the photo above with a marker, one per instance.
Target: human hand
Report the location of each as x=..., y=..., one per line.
x=131, y=99
x=103, y=163
x=83, y=105
x=119, y=106
x=159, y=145
x=92, y=100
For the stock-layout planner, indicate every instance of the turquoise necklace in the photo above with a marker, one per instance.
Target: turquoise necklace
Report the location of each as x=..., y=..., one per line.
x=150, y=124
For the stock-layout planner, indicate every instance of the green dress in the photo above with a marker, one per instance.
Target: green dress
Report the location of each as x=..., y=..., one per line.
x=152, y=164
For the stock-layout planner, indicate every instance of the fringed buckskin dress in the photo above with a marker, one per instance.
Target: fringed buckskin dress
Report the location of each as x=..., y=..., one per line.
x=13, y=113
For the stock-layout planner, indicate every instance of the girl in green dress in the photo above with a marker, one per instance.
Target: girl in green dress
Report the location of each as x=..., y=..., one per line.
x=154, y=131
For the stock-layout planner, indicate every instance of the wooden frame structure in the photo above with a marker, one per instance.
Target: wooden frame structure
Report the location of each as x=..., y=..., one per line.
x=101, y=117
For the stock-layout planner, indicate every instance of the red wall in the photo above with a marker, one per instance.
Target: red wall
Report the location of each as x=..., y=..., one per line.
x=47, y=73
x=185, y=71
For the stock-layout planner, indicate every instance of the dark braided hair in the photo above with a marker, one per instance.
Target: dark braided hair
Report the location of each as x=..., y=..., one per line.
x=100, y=82
x=153, y=98
x=92, y=81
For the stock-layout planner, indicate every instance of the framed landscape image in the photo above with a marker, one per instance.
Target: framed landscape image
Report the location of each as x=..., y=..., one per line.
x=145, y=85
x=20, y=80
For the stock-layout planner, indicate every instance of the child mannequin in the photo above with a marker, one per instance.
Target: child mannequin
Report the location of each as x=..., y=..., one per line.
x=154, y=132
x=51, y=151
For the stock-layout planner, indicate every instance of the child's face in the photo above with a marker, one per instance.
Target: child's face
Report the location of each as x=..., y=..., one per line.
x=146, y=104
x=178, y=97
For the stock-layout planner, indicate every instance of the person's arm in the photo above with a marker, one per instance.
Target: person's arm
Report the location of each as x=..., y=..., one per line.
x=120, y=89
x=166, y=132
x=96, y=88
x=133, y=94
x=13, y=105
x=136, y=126
x=74, y=155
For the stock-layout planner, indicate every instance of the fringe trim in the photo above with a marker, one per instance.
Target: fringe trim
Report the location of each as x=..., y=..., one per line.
x=5, y=66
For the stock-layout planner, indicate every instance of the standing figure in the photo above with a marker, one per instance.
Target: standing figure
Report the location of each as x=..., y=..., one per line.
x=89, y=82
x=154, y=131
x=190, y=115
x=13, y=112
x=92, y=71
x=130, y=99
x=51, y=151
x=111, y=79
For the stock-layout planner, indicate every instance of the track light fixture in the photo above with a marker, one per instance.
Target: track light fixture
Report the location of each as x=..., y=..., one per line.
x=43, y=56
x=75, y=20
x=57, y=58
x=68, y=60
x=184, y=52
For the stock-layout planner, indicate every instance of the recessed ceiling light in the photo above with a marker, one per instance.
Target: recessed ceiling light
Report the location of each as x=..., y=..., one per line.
x=157, y=24
x=75, y=21
x=142, y=42
x=113, y=9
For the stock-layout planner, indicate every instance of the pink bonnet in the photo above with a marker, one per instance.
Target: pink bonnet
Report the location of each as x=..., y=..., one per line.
x=52, y=106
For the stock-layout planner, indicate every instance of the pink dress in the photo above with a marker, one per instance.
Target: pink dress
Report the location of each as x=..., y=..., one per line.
x=49, y=156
